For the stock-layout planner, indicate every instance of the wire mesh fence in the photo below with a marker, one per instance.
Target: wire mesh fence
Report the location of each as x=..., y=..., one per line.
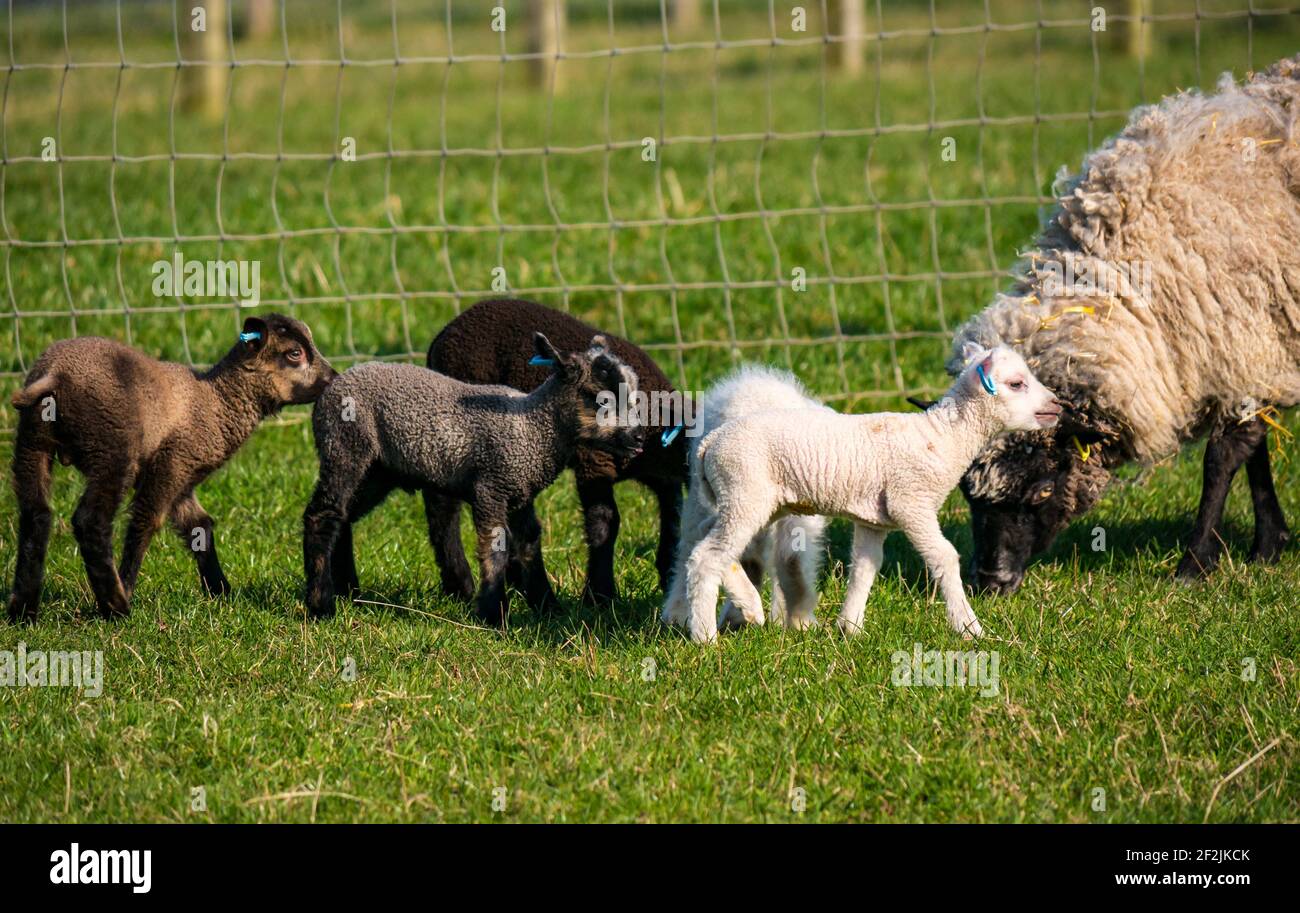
x=830, y=186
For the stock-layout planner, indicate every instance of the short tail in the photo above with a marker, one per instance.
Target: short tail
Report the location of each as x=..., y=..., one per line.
x=699, y=484
x=33, y=392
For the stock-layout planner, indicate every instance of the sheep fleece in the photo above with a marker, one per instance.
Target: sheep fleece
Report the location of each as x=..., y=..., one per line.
x=1201, y=189
x=427, y=425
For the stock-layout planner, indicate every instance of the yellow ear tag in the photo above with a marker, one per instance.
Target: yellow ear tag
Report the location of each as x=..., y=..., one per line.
x=1084, y=452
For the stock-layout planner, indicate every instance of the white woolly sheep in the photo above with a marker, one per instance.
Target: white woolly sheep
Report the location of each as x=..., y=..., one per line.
x=787, y=548
x=884, y=471
x=1160, y=301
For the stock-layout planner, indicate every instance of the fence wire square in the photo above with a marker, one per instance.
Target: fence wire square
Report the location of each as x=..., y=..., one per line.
x=829, y=186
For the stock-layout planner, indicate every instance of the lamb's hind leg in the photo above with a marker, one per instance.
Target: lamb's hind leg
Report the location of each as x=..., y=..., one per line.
x=92, y=524
x=868, y=555
x=748, y=608
x=922, y=528
x=32, y=486
x=343, y=560
x=1271, y=532
x=193, y=525
x=797, y=542
x=527, y=569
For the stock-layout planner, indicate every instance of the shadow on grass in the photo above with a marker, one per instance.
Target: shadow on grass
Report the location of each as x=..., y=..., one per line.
x=629, y=618
x=1128, y=544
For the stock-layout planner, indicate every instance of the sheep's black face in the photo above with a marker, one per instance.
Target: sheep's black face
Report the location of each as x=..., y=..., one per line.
x=604, y=396
x=283, y=350
x=1023, y=490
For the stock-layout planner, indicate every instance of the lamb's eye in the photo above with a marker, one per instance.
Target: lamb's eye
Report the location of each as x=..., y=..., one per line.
x=294, y=355
x=1045, y=492
x=1017, y=385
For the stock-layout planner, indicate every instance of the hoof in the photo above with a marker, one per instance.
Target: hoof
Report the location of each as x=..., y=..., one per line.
x=118, y=605
x=801, y=622
x=599, y=589
x=22, y=611
x=1269, y=550
x=704, y=634
x=545, y=604
x=217, y=589
x=674, y=615
x=457, y=589
x=599, y=599
x=731, y=618
x=1195, y=567
x=848, y=628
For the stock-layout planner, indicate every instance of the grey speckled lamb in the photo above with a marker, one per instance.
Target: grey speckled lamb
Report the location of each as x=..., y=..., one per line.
x=385, y=426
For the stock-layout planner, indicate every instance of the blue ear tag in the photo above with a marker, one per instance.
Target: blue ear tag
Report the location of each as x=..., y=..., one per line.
x=250, y=336
x=986, y=381
x=670, y=434
x=542, y=362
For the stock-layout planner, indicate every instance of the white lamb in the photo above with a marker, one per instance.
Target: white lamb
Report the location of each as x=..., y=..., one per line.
x=788, y=548
x=884, y=471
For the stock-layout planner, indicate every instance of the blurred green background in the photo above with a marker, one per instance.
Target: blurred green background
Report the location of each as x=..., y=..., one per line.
x=773, y=153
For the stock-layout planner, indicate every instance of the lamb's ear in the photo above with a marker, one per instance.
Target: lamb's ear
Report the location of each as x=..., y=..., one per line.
x=921, y=404
x=255, y=334
x=546, y=354
x=971, y=350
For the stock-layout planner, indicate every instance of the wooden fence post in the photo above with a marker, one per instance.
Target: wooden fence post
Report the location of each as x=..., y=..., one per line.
x=203, y=87
x=546, y=21
x=850, y=25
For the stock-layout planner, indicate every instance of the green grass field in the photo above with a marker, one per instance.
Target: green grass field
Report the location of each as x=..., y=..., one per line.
x=1111, y=676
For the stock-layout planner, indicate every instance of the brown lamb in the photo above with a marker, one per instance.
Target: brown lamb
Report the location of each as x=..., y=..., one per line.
x=127, y=420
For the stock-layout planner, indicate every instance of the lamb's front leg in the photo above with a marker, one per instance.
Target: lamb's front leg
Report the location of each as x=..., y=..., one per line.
x=696, y=521
x=491, y=525
x=940, y=556
x=710, y=564
x=526, y=565
x=600, y=524
x=868, y=555
x=669, y=495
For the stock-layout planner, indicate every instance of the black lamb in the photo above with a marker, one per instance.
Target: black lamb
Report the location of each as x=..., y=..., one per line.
x=483, y=345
